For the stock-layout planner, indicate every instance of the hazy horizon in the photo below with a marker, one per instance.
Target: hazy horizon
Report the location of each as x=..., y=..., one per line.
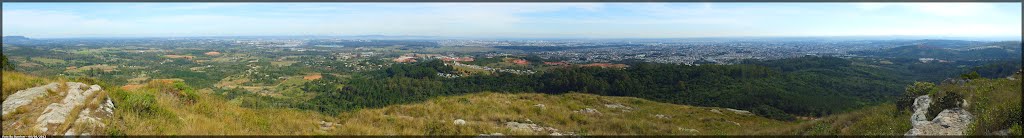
x=513, y=20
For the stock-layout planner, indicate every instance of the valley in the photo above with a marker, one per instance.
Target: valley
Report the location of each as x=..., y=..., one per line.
x=214, y=87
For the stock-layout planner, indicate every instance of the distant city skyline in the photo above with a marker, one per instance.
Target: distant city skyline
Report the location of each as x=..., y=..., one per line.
x=512, y=20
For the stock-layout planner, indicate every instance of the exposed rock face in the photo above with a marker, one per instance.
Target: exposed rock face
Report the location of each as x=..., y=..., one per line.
x=616, y=106
x=57, y=112
x=716, y=111
x=661, y=116
x=80, y=109
x=460, y=122
x=24, y=97
x=688, y=130
x=326, y=126
x=529, y=127
x=921, y=104
x=737, y=111
x=948, y=122
x=588, y=111
x=539, y=105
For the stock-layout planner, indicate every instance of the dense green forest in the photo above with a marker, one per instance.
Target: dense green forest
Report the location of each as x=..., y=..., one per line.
x=779, y=89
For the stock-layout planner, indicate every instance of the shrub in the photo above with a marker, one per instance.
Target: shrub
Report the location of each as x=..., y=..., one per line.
x=4, y=64
x=773, y=113
x=944, y=100
x=1016, y=129
x=970, y=76
x=143, y=104
x=996, y=105
x=906, y=102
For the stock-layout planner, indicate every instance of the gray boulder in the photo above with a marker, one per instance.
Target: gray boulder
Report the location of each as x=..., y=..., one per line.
x=948, y=122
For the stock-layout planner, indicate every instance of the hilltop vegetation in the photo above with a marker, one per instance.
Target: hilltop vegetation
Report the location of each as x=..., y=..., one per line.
x=488, y=113
x=808, y=86
x=986, y=51
x=995, y=103
x=173, y=108
x=885, y=120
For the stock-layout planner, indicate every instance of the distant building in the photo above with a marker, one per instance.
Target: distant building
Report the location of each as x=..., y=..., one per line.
x=212, y=53
x=560, y=63
x=605, y=65
x=926, y=60
x=520, y=61
x=457, y=59
x=404, y=59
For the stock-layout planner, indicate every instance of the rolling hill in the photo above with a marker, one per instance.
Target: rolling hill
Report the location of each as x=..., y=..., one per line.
x=985, y=51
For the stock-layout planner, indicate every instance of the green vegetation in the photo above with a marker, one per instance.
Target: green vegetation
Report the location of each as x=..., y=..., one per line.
x=808, y=86
x=995, y=103
x=880, y=120
x=906, y=102
x=999, y=50
x=173, y=108
x=4, y=64
x=488, y=112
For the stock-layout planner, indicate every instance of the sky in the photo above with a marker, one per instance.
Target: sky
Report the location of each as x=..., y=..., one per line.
x=525, y=20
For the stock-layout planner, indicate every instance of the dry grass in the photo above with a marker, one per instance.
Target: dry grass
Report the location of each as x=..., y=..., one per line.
x=487, y=113
x=876, y=120
x=210, y=115
x=14, y=81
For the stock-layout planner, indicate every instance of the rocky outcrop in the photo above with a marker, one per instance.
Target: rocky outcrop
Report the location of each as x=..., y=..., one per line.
x=587, y=111
x=534, y=128
x=56, y=113
x=741, y=112
x=460, y=122
x=948, y=122
x=24, y=97
x=529, y=127
x=79, y=111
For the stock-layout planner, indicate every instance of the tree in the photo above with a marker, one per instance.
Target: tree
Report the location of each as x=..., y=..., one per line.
x=5, y=65
x=971, y=76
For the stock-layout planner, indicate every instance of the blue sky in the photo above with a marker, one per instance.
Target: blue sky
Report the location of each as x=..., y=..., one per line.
x=594, y=20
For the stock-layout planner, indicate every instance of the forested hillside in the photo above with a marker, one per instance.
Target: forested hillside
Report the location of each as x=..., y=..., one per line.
x=986, y=51
x=808, y=86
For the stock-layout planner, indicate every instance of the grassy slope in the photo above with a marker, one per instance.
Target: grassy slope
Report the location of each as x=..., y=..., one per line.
x=169, y=114
x=155, y=110
x=995, y=104
x=14, y=81
x=23, y=119
x=486, y=113
x=875, y=120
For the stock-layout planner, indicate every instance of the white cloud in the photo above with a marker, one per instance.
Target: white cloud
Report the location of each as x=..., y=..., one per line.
x=939, y=9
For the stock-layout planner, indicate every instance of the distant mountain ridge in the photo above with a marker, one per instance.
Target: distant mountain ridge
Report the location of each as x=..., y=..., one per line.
x=951, y=50
x=7, y=39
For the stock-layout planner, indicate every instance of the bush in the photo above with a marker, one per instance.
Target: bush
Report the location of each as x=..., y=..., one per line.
x=773, y=113
x=906, y=102
x=944, y=100
x=185, y=92
x=1016, y=129
x=971, y=76
x=142, y=104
